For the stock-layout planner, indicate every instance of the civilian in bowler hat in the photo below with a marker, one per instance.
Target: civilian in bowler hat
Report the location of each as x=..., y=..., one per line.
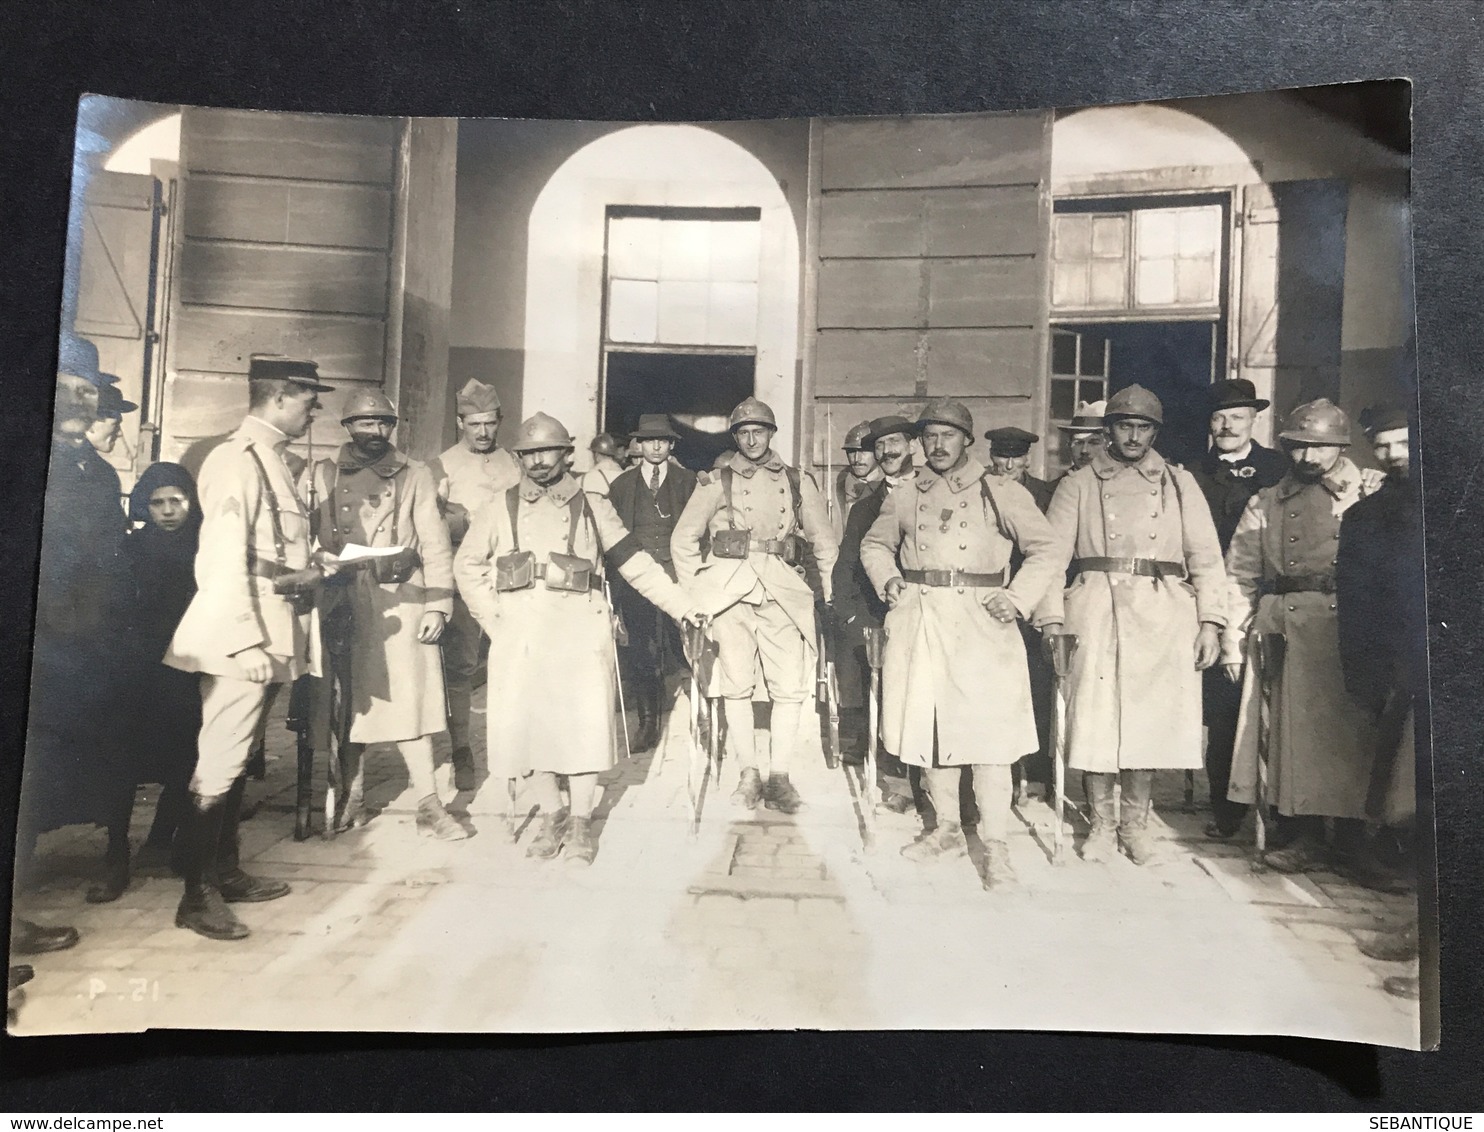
x=1235, y=469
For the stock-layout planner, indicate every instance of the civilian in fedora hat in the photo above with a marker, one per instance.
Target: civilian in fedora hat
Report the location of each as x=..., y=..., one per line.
x=1084, y=433
x=649, y=498
x=1234, y=470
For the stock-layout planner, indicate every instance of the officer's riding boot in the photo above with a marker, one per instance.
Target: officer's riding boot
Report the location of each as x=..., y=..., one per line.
x=1101, y=843
x=1133, y=824
x=434, y=821
x=854, y=735
x=553, y=836
x=202, y=908
x=464, y=777
x=580, y=847
x=236, y=886
x=647, y=700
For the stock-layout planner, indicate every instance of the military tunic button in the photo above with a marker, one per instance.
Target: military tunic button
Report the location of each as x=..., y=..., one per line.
x=922, y=526
x=964, y=524
x=922, y=546
x=1293, y=609
x=963, y=546
x=1152, y=534
x=1332, y=605
x=963, y=503
x=1293, y=538
x=1293, y=514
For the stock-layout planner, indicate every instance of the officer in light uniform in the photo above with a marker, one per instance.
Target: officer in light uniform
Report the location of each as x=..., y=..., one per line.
x=1147, y=604
x=1282, y=563
x=531, y=570
x=955, y=689
x=756, y=511
x=469, y=475
x=247, y=628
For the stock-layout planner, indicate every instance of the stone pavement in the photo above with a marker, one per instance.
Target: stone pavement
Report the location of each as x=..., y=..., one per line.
x=758, y=920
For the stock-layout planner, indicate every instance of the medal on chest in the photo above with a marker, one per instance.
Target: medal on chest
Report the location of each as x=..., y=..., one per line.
x=944, y=516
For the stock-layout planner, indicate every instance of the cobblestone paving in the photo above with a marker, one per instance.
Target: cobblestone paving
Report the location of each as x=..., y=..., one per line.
x=758, y=920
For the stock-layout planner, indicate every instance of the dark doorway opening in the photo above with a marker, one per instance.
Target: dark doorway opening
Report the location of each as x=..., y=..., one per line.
x=696, y=390
x=1176, y=361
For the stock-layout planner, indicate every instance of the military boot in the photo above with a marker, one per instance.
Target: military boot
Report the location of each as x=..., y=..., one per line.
x=115, y=877
x=436, y=822
x=779, y=794
x=944, y=843
x=464, y=777
x=236, y=886
x=548, y=843
x=1101, y=844
x=998, y=872
x=1133, y=824
x=749, y=790
x=580, y=847
x=203, y=909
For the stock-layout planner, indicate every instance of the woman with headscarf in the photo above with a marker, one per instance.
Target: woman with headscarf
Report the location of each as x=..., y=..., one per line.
x=162, y=737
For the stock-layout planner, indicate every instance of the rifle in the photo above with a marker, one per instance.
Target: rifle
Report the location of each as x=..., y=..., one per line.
x=705, y=756
x=1269, y=651
x=1063, y=648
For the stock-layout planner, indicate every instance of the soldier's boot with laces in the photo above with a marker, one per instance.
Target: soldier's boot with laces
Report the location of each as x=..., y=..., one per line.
x=236, y=886
x=780, y=795
x=998, y=872
x=580, y=847
x=464, y=777
x=749, y=790
x=945, y=843
x=552, y=836
x=436, y=822
x=1133, y=825
x=1102, y=843
x=202, y=909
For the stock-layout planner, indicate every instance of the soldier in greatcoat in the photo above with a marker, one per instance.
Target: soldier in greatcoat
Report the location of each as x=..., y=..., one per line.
x=531, y=569
x=757, y=512
x=649, y=499
x=1282, y=563
x=247, y=628
x=956, y=691
x=857, y=478
x=856, y=605
x=1234, y=470
x=469, y=475
x=1147, y=605
x=396, y=608
x=607, y=464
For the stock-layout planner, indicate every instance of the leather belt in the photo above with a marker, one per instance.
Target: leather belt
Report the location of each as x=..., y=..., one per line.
x=594, y=582
x=1143, y=567
x=954, y=578
x=1301, y=584
x=270, y=570
x=785, y=548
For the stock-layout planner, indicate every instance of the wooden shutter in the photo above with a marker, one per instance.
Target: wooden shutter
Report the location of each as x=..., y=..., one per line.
x=1291, y=290
x=115, y=281
x=929, y=257
x=285, y=246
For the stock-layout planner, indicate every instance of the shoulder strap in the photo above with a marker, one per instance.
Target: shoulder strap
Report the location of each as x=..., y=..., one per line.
x=579, y=508
x=726, y=492
x=792, y=474
x=512, y=503
x=280, y=544
x=1174, y=472
x=988, y=496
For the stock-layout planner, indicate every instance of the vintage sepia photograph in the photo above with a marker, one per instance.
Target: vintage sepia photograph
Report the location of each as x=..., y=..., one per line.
x=928, y=572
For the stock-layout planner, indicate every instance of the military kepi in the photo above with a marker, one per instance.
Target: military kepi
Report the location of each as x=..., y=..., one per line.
x=279, y=367
x=476, y=401
x=1010, y=441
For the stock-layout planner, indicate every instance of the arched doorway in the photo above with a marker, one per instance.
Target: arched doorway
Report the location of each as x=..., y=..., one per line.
x=662, y=275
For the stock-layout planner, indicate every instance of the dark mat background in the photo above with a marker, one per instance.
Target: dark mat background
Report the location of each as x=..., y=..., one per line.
x=650, y=61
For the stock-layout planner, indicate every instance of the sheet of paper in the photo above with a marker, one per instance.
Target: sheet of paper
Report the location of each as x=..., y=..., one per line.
x=354, y=552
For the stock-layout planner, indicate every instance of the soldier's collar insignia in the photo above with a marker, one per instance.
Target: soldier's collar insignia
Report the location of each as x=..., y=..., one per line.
x=1151, y=466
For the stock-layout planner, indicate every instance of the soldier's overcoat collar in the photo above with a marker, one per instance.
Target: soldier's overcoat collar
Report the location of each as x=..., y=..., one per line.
x=970, y=472
x=746, y=468
x=257, y=431
x=560, y=492
x=1342, y=478
x=1151, y=465
x=386, y=465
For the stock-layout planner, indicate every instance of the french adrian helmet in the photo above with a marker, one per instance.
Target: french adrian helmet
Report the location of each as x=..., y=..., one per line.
x=541, y=431
x=1134, y=401
x=1318, y=422
x=752, y=411
x=856, y=439
x=947, y=412
x=372, y=403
